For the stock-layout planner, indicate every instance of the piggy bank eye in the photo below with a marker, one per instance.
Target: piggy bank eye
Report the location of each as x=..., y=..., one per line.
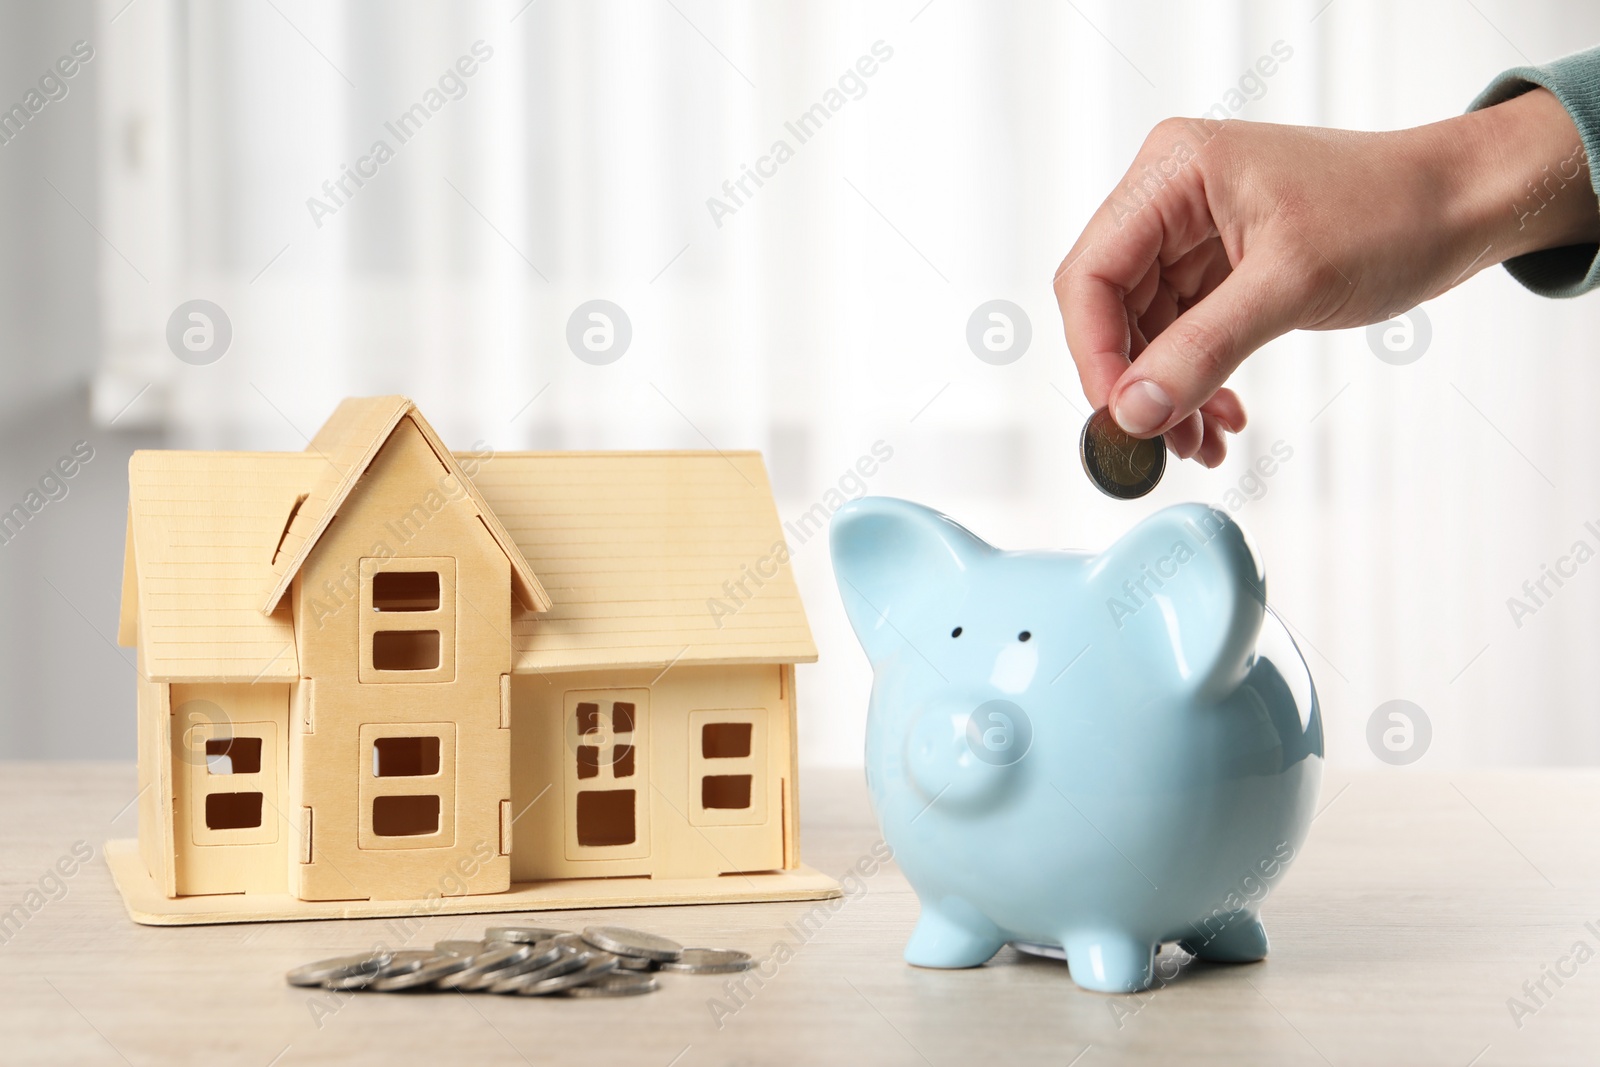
x=1024, y=635
x=956, y=632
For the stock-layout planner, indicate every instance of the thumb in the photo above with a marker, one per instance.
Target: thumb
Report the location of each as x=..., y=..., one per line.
x=1185, y=364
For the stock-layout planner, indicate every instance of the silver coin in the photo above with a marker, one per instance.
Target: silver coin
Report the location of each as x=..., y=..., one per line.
x=487, y=962
x=408, y=960
x=616, y=985
x=338, y=967
x=399, y=963
x=710, y=961
x=626, y=942
x=539, y=955
x=1039, y=948
x=423, y=977
x=1049, y=952
x=568, y=961
x=460, y=948
x=525, y=934
x=601, y=963
x=636, y=963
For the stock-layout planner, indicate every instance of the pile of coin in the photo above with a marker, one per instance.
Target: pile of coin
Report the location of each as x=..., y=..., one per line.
x=530, y=961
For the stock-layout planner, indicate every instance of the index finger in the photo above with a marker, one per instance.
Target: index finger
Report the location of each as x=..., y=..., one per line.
x=1111, y=256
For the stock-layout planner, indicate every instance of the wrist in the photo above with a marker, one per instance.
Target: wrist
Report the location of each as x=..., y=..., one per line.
x=1518, y=178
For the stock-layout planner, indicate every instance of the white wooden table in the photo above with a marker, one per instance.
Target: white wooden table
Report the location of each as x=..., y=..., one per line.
x=1420, y=905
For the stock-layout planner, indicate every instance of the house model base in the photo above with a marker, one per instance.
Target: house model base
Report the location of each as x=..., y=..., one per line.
x=147, y=904
x=379, y=678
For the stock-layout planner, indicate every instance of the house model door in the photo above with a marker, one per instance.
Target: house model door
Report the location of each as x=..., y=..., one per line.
x=607, y=778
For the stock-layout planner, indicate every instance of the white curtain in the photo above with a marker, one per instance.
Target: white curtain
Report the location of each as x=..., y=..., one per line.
x=827, y=311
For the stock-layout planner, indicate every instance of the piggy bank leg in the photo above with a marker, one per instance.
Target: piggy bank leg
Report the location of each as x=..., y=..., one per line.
x=952, y=934
x=1107, y=961
x=1241, y=939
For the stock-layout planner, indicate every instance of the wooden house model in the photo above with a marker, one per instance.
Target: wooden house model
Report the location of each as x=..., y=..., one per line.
x=377, y=677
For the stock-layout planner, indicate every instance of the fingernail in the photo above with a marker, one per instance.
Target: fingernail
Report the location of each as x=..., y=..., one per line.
x=1142, y=407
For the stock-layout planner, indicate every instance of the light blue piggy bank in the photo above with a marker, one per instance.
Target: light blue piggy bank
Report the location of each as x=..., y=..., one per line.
x=1101, y=752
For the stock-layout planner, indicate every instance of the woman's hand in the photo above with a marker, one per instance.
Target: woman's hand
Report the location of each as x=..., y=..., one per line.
x=1225, y=235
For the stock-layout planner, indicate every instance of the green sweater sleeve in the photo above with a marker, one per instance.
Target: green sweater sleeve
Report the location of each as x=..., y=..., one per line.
x=1575, y=81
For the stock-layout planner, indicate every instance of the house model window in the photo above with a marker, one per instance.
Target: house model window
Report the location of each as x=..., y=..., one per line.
x=405, y=591
x=727, y=762
x=605, y=742
x=725, y=740
x=405, y=816
x=408, y=631
x=408, y=785
x=233, y=755
x=404, y=757
x=608, y=776
x=232, y=782
x=233, y=811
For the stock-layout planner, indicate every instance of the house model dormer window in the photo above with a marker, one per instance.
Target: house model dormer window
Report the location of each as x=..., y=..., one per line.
x=408, y=613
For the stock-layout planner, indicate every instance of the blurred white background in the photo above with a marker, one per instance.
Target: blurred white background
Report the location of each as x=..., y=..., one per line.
x=826, y=312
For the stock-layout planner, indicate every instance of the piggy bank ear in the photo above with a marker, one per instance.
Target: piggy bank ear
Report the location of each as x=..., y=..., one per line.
x=1183, y=597
x=896, y=561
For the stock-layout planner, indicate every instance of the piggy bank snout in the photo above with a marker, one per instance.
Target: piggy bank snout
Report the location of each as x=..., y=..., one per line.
x=965, y=752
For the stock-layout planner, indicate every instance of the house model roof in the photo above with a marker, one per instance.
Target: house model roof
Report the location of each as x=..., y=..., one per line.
x=348, y=442
x=618, y=559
